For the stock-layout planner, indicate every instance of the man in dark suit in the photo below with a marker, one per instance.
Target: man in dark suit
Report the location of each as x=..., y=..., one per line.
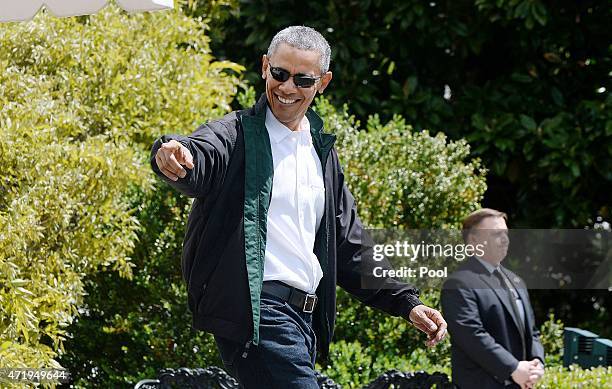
x=494, y=339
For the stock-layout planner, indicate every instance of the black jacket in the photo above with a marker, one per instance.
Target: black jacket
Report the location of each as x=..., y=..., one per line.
x=486, y=343
x=224, y=245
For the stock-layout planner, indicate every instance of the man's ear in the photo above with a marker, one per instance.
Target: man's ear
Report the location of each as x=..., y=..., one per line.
x=264, y=66
x=325, y=80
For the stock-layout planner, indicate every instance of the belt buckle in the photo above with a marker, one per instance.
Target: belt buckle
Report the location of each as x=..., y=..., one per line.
x=309, y=303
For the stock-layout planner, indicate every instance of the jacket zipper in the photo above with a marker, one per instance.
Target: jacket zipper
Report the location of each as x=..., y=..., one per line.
x=246, y=348
x=248, y=343
x=324, y=322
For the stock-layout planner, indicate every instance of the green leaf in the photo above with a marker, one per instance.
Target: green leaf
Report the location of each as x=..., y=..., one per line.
x=575, y=169
x=523, y=78
x=557, y=96
x=539, y=12
x=528, y=122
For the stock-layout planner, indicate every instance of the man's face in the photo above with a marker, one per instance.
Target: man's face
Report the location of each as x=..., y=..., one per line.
x=287, y=101
x=492, y=233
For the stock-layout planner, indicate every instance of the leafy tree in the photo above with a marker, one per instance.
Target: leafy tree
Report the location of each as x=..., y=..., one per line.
x=525, y=82
x=81, y=101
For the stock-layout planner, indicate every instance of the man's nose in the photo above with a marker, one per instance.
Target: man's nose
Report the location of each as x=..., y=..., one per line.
x=288, y=86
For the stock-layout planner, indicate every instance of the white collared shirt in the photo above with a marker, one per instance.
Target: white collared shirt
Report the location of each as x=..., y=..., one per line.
x=296, y=208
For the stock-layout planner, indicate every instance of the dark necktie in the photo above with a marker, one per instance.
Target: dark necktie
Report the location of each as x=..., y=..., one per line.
x=512, y=295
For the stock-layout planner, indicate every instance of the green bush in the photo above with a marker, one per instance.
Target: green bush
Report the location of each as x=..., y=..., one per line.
x=81, y=102
x=551, y=336
x=369, y=343
x=404, y=178
x=401, y=178
x=526, y=82
x=132, y=328
x=576, y=377
x=61, y=217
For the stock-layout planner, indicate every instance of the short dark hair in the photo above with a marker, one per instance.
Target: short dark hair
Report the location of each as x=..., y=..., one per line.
x=476, y=217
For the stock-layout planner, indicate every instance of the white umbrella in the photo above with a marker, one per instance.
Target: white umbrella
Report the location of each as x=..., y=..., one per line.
x=20, y=10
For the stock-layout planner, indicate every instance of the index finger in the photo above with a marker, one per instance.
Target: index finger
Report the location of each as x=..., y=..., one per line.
x=186, y=157
x=171, y=164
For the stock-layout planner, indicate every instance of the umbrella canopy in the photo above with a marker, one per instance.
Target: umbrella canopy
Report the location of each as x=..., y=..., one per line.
x=16, y=11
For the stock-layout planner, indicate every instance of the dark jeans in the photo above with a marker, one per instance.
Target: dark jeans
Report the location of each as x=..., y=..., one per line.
x=286, y=353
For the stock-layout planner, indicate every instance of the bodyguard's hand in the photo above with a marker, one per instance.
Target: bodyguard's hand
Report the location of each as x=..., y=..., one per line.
x=527, y=373
x=169, y=158
x=535, y=373
x=430, y=322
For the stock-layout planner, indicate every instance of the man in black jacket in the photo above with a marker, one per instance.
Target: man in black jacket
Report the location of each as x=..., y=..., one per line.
x=494, y=339
x=273, y=227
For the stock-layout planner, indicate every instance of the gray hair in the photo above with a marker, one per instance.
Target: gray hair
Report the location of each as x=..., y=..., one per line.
x=303, y=38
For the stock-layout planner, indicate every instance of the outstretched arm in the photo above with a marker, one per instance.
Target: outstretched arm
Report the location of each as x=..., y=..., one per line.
x=196, y=164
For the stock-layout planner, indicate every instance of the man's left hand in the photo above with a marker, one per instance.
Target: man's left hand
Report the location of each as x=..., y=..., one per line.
x=430, y=322
x=536, y=373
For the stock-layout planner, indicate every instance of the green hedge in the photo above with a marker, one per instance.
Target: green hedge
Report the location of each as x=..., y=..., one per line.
x=575, y=377
x=80, y=103
x=370, y=343
x=526, y=82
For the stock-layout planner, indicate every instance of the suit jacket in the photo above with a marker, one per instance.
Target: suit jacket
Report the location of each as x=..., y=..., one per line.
x=486, y=340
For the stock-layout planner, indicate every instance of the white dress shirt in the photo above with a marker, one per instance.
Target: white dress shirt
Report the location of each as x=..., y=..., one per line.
x=296, y=208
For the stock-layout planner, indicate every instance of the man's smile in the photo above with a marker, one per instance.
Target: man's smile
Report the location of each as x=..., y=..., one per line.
x=285, y=101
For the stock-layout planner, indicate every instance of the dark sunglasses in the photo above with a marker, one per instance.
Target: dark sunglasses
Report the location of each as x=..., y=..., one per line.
x=300, y=80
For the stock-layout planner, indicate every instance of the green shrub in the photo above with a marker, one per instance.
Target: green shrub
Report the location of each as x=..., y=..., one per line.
x=575, y=377
x=61, y=216
x=368, y=343
x=404, y=178
x=526, y=82
x=81, y=101
x=401, y=179
x=133, y=328
x=551, y=336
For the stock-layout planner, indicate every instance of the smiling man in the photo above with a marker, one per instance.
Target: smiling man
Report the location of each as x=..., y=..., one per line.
x=274, y=228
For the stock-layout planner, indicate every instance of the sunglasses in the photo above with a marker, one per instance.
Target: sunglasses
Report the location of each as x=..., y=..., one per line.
x=300, y=80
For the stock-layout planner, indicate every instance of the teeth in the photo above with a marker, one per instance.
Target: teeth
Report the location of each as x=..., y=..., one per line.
x=285, y=101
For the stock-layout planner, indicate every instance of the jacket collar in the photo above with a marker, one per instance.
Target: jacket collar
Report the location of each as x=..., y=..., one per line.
x=489, y=267
x=476, y=266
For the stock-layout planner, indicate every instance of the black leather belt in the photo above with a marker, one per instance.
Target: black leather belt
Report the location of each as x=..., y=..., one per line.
x=301, y=301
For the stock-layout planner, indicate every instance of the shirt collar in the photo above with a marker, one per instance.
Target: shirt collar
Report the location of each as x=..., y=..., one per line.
x=490, y=268
x=278, y=131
